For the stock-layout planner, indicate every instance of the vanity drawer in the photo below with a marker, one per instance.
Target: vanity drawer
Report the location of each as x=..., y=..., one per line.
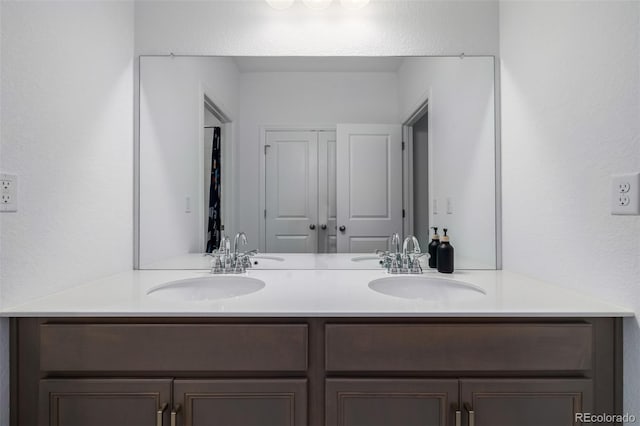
x=173, y=347
x=459, y=347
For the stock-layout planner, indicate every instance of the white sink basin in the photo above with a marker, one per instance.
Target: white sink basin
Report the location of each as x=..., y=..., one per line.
x=421, y=287
x=206, y=288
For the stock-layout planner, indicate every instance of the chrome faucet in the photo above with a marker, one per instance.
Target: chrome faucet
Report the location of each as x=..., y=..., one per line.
x=227, y=262
x=389, y=258
x=402, y=262
x=410, y=262
x=225, y=246
x=243, y=239
x=414, y=241
x=395, y=243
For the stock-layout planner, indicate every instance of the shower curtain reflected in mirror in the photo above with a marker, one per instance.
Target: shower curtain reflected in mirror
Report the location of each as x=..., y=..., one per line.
x=213, y=229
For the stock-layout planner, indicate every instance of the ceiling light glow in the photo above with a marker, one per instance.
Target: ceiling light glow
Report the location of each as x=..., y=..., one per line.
x=317, y=4
x=280, y=4
x=354, y=4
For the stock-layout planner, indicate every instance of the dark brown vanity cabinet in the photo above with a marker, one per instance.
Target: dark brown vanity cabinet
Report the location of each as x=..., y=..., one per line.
x=313, y=371
x=148, y=402
x=532, y=374
x=239, y=402
x=479, y=402
x=103, y=402
x=138, y=373
x=391, y=402
x=525, y=402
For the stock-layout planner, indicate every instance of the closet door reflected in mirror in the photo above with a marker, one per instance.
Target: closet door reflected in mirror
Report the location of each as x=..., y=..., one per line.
x=369, y=182
x=300, y=191
x=328, y=192
x=291, y=191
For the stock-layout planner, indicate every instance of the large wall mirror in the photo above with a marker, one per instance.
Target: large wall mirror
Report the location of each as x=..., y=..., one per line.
x=315, y=155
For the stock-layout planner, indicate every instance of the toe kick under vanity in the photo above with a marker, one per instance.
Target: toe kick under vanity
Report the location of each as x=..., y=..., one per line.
x=298, y=353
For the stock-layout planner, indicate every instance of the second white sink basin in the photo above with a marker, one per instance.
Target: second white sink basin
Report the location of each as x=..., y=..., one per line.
x=206, y=288
x=421, y=287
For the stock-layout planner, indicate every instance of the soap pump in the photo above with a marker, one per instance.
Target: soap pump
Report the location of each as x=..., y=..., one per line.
x=445, y=254
x=433, y=248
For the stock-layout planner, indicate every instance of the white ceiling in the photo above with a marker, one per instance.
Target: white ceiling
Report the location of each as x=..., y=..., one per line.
x=317, y=63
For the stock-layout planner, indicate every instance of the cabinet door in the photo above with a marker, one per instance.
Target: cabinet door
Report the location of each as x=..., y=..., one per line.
x=391, y=402
x=107, y=402
x=526, y=402
x=240, y=402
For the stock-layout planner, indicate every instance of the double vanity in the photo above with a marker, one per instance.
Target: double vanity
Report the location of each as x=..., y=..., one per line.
x=314, y=347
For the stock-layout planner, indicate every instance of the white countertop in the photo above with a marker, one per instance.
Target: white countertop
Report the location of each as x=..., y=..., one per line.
x=320, y=292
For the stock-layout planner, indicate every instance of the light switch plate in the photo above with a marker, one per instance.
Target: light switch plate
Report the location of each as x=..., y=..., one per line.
x=625, y=194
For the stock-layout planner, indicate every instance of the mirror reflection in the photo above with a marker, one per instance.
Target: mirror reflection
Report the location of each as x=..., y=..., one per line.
x=315, y=155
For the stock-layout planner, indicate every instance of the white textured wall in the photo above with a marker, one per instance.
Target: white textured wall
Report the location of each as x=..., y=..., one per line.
x=571, y=118
x=461, y=149
x=171, y=128
x=298, y=99
x=392, y=27
x=67, y=114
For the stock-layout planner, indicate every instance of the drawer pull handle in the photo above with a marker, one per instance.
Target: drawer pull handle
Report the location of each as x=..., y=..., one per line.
x=458, y=418
x=472, y=414
x=174, y=414
x=160, y=413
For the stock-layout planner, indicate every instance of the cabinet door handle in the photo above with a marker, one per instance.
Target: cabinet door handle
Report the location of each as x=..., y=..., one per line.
x=458, y=418
x=174, y=414
x=472, y=414
x=160, y=413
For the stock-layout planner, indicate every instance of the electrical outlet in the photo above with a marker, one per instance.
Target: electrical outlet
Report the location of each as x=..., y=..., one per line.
x=8, y=193
x=625, y=194
x=624, y=187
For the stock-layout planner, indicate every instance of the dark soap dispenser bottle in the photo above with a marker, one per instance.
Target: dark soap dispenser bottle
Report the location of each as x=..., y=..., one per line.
x=445, y=254
x=433, y=248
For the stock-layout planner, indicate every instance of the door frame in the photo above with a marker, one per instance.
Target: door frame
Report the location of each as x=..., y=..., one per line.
x=262, y=225
x=423, y=108
x=227, y=146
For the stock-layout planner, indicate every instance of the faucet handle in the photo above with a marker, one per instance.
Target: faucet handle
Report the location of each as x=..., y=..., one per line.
x=216, y=265
x=395, y=242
